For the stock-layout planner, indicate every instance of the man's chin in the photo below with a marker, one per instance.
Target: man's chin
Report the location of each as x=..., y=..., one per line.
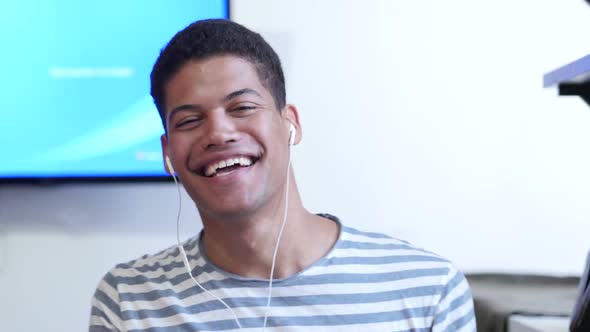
x=227, y=212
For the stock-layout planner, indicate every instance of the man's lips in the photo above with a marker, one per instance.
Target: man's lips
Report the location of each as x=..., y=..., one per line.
x=224, y=165
x=228, y=177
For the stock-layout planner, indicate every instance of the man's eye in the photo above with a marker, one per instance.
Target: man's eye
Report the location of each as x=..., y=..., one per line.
x=187, y=121
x=243, y=109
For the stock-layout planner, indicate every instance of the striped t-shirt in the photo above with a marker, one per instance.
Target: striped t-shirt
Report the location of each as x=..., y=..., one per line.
x=367, y=282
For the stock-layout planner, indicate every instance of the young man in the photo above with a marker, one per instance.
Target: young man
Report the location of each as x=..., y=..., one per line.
x=220, y=91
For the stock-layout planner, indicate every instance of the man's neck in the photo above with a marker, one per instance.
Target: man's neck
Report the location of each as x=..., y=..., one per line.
x=246, y=247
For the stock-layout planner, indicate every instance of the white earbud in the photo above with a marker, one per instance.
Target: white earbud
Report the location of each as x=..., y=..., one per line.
x=293, y=134
x=169, y=164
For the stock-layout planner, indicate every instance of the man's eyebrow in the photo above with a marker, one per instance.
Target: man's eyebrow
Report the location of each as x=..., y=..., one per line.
x=238, y=93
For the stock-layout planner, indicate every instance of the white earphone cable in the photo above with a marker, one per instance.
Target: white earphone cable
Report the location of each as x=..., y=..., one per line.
x=276, y=250
x=185, y=257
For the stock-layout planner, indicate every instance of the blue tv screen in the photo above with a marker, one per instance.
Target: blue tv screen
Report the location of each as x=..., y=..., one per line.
x=75, y=101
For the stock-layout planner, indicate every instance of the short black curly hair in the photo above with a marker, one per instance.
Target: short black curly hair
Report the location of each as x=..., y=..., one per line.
x=207, y=38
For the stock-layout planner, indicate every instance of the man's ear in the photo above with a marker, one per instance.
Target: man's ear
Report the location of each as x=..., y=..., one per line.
x=291, y=114
x=164, y=143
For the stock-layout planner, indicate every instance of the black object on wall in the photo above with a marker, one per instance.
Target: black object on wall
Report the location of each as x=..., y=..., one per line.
x=572, y=79
x=581, y=317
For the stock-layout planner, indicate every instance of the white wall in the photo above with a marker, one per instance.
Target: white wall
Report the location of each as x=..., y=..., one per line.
x=427, y=120
x=422, y=119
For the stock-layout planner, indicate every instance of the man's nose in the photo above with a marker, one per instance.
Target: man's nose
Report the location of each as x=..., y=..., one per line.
x=220, y=130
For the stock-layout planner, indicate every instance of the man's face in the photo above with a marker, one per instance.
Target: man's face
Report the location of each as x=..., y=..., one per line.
x=226, y=139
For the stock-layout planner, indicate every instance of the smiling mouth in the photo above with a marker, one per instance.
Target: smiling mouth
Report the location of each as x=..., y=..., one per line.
x=227, y=166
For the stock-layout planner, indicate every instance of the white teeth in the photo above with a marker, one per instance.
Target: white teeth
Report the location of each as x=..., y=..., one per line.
x=245, y=161
x=242, y=161
x=210, y=170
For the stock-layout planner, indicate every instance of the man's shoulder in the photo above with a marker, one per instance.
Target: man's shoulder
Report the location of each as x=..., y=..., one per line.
x=165, y=260
x=386, y=254
x=358, y=239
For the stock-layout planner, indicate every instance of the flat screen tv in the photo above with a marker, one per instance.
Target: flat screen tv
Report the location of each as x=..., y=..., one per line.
x=74, y=86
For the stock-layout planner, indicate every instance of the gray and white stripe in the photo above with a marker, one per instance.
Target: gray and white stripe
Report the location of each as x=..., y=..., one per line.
x=367, y=282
